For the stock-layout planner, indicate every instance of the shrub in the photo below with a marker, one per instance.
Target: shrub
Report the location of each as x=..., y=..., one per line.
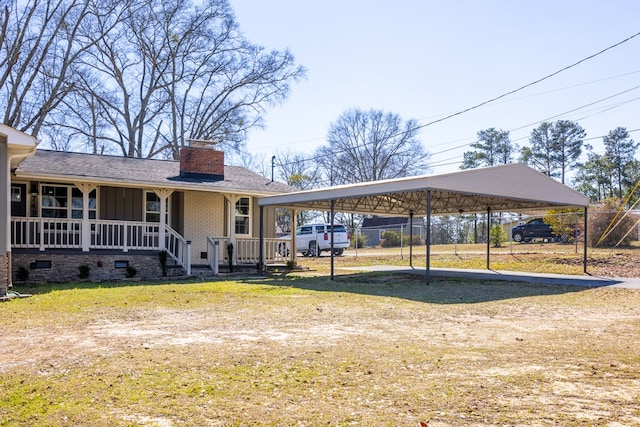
x=390, y=239
x=22, y=273
x=497, y=236
x=565, y=223
x=131, y=272
x=362, y=240
x=83, y=271
x=608, y=227
x=417, y=240
x=163, y=261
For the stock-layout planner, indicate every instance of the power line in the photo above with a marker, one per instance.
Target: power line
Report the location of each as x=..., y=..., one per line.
x=476, y=106
x=580, y=108
x=530, y=84
x=607, y=108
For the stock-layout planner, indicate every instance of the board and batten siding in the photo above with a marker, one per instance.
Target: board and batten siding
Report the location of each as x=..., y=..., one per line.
x=121, y=204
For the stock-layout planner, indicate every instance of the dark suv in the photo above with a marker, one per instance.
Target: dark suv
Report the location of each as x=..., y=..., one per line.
x=534, y=229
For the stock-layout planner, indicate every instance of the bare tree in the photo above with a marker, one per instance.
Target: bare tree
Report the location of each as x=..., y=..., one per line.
x=369, y=146
x=40, y=43
x=301, y=172
x=137, y=77
x=176, y=70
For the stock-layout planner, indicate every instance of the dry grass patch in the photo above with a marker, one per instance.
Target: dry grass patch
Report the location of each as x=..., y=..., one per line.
x=531, y=257
x=365, y=349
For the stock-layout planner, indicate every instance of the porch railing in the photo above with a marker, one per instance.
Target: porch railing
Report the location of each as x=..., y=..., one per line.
x=247, y=250
x=61, y=233
x=43, y=233
x=178, y=248
x=124, y=235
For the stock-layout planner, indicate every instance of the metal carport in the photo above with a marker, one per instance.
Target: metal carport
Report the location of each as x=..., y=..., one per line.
x=506, y=188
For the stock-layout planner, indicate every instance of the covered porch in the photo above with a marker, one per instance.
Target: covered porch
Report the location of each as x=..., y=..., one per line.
x=92, y=204
x=45, y=234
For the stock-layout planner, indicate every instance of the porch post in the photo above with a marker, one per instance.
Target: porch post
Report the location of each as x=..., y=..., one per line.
x=86, y=224
x=261, y=242
x=163, y=194
x=231, y=224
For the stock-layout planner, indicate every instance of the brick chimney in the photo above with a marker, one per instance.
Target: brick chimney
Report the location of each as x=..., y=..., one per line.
x=201, y=163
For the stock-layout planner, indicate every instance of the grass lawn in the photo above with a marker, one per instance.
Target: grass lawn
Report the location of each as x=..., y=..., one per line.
x=534, y=257
x=301, y=350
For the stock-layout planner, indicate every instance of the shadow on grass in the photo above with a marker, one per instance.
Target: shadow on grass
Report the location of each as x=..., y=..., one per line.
x=441, y=290
x=46, y=287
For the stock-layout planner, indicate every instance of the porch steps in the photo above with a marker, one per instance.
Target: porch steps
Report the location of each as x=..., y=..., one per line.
x=201, y=270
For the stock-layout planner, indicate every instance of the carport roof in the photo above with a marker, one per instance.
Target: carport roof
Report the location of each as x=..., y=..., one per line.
x=506, y=188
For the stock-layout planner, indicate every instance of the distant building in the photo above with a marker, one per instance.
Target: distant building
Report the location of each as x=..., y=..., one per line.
x=374, y=226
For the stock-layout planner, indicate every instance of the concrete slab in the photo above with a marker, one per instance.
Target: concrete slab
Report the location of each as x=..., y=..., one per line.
x=513, y=276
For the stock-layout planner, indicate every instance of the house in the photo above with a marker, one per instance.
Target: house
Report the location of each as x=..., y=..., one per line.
x=15, y=146
x=373, y=226
x=114, y=215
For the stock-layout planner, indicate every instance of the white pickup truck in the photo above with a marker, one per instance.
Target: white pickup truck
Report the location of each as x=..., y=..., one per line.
x=312, y=239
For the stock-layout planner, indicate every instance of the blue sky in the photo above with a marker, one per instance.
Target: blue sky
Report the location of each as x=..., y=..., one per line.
x=426, y=59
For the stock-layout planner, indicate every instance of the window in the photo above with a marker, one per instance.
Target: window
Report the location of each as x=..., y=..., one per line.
x=55, y=202
x=243, y=214
x=301, y=231
x=152, y=208
x=16, y=194
x=76, y=204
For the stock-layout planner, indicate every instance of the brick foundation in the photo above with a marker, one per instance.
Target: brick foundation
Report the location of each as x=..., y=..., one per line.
x=102, y=267
x=4, y=273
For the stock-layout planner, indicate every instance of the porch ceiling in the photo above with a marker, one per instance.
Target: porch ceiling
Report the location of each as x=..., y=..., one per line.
x=512, y=188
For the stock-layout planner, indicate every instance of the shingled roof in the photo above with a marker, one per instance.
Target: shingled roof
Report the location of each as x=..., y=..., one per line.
x=59, y=166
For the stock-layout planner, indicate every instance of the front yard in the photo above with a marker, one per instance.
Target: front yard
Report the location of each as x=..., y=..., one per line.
x=365, y=349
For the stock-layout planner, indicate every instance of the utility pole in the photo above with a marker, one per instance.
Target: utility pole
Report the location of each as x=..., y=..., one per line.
x=273, y=166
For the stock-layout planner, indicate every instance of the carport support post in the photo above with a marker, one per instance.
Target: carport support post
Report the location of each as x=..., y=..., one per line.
x=294, y=226
x=488, y=235
x=428, y=238
x=411, y=238
x=584, y=255
x=331, y=225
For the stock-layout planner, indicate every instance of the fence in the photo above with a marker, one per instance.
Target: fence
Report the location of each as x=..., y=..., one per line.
x=605, y=228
